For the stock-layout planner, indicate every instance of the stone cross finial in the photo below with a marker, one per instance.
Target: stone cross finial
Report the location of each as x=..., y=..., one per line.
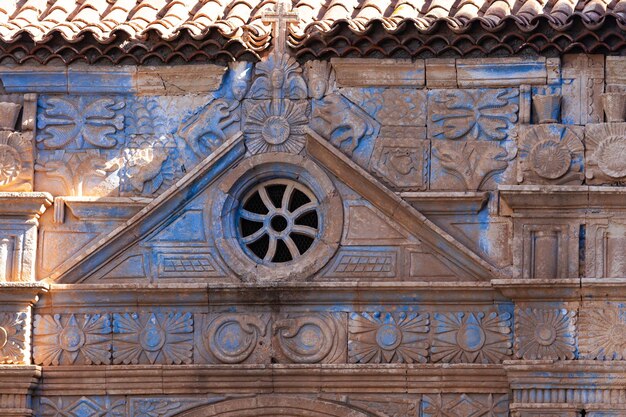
x=280, y=18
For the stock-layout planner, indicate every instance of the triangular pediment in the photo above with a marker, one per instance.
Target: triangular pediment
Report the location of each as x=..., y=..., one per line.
x=372, y=235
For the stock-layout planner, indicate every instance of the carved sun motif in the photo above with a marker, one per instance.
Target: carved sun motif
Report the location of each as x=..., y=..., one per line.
x=383, y=338
x=602, y=334
x=157, y=337
x=62, y=340
x=12, y=337
x=471, y=337
x=276, y=126
x=612, y=156
x=544, y=334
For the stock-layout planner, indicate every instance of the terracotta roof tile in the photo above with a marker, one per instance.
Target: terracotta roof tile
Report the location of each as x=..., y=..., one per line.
x=319, y=20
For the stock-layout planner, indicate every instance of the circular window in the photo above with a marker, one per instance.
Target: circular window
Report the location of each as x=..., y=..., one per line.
x=278, y=221
x=276, y=217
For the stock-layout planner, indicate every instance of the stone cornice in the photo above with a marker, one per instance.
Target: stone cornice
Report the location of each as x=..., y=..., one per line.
x=447, y=202
x=20, y=293
x=23, y=204
x=570, y=289
x=532, y=199
x=198, y=296
x=248, y=379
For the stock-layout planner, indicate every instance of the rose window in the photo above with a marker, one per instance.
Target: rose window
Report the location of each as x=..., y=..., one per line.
x=278, y=221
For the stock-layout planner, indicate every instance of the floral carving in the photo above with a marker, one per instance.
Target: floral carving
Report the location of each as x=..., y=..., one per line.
x=13, y=337
x=78, y=173
x=82, y=407
x=75, y=120
x=550, y=154
x=164, y=338
x=544, y=334
x=154, y=407
x=231, y=338
x=472, y=114
x=464, y=405
x=388, y=338
x=342, y=123
x=605, y=153
x=311, y=338
x=473, y=164
x=275, y=126
x=602, y=333
x=279, y=76
x=71, y=339
x=471, y=337
x=16, y=156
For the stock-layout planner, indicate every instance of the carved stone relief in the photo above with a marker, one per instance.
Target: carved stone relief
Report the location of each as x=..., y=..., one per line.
x=545, y=334
x=583, y=84
x=91, y=406
x=152, y=338
x=604, y=147
x=385, y=337
x=472, y=114
x=550, y=154
x=402, y=162
x=17, y=142
x=471, y=337
x=13, y=337
x=602, y=331
x=464, y=405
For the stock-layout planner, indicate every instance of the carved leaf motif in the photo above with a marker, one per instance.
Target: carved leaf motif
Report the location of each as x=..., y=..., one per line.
x=473, y=114
x=63, y=339
x=471, y=337
x=279, y=76
x=164, y=338
x=387, y=338
x=544, y=334
x=232, y=338
x=474, y=163
x=311, y=338
x=76, y=120
x=13, y=338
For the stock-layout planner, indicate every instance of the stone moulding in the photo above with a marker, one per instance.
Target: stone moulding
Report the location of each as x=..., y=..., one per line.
x=257, y=379
x=16, y=385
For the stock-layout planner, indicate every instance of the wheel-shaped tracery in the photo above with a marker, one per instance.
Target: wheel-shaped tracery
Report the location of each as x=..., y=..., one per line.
x=278, y=220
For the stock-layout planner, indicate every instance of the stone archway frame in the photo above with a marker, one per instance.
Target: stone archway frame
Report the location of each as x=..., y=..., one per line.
x=258, y=168
x=273, y=406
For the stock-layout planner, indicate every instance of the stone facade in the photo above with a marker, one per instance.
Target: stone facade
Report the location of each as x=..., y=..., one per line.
x=347, y=237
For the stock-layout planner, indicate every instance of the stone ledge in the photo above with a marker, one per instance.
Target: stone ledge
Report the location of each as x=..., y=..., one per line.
x=568, y=289
x=451, y=203
x=241, y=379
x=24, y=204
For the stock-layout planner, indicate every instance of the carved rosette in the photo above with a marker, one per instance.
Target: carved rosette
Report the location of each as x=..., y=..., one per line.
x=388, y=338
x=602, y=333
x=550, y=154
x=13, y=339
x=605, y=150
x=275, y=126
x=231, y=338
x=471, y=337
x=311, y=338
x=72, y=339
x=545, y=334
x=163, y=338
